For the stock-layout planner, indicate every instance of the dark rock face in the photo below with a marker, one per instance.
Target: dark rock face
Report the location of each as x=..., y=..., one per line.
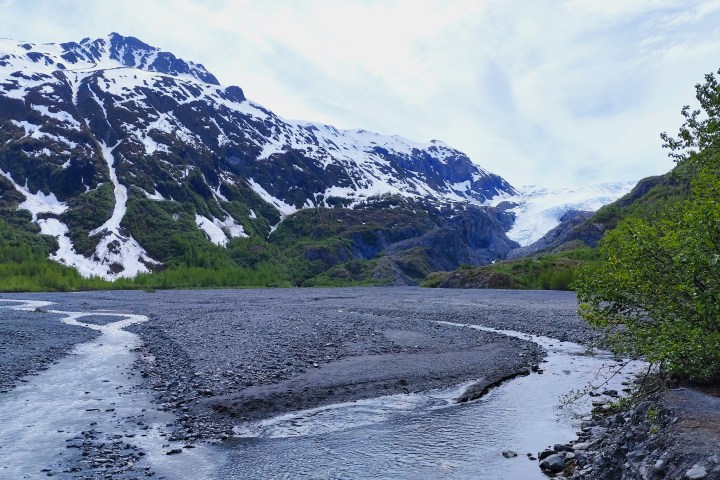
x=404, y=243
x=473, y=236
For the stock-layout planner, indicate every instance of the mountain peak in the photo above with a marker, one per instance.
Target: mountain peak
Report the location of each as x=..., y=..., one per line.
x=132, y=52
x=112, y=51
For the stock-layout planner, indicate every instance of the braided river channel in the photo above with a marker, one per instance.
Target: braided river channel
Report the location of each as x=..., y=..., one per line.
x=91, y=396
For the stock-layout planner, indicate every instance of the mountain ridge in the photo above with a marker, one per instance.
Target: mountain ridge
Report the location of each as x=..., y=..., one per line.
x=131, y=131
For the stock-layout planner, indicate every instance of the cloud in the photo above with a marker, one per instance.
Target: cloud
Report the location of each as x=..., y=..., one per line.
x=540, y=92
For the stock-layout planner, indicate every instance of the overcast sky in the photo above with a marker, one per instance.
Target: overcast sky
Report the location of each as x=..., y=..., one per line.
x=541, y=92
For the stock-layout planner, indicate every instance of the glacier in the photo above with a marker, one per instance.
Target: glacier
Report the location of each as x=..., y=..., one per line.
x=539, y=209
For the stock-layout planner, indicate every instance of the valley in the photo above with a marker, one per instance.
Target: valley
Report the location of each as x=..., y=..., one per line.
x=145, y=207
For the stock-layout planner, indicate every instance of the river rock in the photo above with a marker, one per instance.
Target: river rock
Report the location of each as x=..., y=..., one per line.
x=509, y=454
x=554, y=463
x=697, y=471
x=545, y=453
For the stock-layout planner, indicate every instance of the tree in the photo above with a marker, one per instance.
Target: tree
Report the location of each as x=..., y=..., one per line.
x=699, y=136
x=657, y=291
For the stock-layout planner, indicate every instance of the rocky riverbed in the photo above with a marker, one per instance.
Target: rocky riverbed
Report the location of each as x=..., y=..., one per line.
x=254, y=354
x=219, y=358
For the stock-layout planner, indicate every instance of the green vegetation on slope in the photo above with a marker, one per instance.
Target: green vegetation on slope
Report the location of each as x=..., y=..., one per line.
x=24, y=264
x=649, y=198
x=554, y=271
x=338, y=246
x=315, y=247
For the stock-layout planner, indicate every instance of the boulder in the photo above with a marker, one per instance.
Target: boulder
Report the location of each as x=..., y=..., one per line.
x=554, y=463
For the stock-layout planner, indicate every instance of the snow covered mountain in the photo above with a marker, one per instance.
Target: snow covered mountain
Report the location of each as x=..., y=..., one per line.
x=107, y=141
x=538, y=210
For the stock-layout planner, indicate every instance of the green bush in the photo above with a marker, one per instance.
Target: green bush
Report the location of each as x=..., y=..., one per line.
x=657, y=292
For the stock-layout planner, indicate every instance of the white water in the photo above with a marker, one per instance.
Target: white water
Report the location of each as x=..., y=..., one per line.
x=423, y=435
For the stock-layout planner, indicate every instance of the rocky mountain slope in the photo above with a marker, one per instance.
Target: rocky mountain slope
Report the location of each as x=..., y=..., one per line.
x=111, y=143
x=551, y=261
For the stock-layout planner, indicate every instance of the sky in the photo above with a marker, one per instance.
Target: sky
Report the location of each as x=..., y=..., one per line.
x=541, y=92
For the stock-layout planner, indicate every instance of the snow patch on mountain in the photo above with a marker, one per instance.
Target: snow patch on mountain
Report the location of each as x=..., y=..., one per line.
x=234, y=229
x=127, y=254
x=282, y=207
x=152, y=196
x=120, y=192
x=371, y=159
x=61, y=116
x=213, y=232
x=116, y=248
x=39, y=202
x=34, y=131
x=215, y=229
x=540, y=209
x=66, y=253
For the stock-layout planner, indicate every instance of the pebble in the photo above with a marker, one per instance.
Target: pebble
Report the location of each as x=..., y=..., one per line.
x=697, y=471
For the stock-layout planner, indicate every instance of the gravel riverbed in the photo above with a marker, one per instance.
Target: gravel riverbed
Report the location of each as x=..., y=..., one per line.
x=217, y=358
x=235, y=356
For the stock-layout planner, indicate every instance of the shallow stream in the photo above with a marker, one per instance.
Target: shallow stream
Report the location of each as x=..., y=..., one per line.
x=42, y=420
x=429, y=435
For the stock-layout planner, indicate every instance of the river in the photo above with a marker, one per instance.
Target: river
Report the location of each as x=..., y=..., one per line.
x=425, y=435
